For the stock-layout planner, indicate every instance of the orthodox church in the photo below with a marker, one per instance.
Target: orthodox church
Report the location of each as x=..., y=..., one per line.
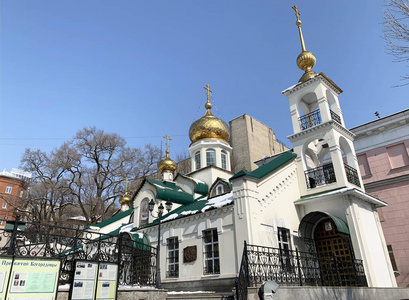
x=301, y=204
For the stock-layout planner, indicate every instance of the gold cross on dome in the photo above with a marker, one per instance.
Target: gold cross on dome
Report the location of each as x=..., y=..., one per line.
x=167, y=137
x=207, y=88
x=126, y=185
x=297, y=13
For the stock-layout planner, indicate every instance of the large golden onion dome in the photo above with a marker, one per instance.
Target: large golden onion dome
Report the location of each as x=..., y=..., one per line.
x=167, y=164
x=209, y=126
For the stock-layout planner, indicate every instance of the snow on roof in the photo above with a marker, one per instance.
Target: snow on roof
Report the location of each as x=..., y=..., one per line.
x=188, y=212
x=126, y=228
x=79, y=218
x=167, y=188
x=196, y=180
x=219, y=201
x=170, y=217
x=94, y=228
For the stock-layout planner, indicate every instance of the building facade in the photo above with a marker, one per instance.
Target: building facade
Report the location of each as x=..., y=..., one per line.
x=382, y=148
x=13, y=188
x=251, y=140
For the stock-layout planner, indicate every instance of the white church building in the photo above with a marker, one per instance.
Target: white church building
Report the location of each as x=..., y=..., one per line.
x=303, y=217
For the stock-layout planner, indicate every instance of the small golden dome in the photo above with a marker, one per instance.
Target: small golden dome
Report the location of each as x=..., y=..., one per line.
x=125, y=199
x=167, y=164
x=306, y=61
x=209, y=126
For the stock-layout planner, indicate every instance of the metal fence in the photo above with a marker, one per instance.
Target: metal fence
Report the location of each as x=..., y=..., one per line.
x=295, y=268
x=136, y=261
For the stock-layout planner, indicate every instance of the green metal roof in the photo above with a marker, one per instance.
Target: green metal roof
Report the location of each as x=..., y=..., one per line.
x=186, y=210
x=170, y=191
x=200, y=187
x=269, y=167
x=112, y=219
x=309, y=221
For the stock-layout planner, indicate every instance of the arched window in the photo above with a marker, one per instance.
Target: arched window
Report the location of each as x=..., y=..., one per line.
x=144, y=212
x=210, y=157
x=197, y=160
x=224, y=159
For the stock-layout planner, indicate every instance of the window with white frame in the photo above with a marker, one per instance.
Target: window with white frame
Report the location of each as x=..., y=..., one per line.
x=4, y=205
x=211, y=252
x=21, y=193
x=284, y=244
x=8, y=189
x=197, y=160
x=210, y=157
x=173, y=257
x=224, y=159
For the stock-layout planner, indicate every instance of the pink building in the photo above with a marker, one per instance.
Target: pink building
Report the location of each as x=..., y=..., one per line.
x=382, y=148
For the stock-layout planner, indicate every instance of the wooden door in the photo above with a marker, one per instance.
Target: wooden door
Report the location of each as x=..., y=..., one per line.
x=334, y=255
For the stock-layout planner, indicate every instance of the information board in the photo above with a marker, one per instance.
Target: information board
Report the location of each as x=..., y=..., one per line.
x=33, y=278
x=85, y=279
x=107, y=281
x=5, y=268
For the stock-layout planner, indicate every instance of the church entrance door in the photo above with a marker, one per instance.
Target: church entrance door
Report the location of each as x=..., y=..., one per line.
x=334, y=254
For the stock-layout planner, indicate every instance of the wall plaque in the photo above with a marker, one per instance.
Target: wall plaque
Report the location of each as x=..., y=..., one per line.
x=189, y=254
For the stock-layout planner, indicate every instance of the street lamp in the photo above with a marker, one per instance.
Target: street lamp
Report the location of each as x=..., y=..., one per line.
x=168, y=205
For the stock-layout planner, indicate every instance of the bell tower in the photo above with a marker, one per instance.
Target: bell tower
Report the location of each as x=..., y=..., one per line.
x=325, y=152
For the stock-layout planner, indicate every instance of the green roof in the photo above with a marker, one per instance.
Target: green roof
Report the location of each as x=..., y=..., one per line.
x=186, y=210
x=112, y=219
x=170, y=191
x=200, y=187
x=269, y=167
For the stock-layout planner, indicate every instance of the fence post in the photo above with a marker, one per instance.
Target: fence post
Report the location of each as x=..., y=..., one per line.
x=246, y=263
x=13, y=237
x=298, y=265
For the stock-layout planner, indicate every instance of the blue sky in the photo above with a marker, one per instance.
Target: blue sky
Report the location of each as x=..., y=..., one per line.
x=138, y=68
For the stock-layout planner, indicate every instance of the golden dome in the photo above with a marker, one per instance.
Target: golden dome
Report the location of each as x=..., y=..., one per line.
x=167, y=164
x=306, y=61
x=209, y=126
x=125, y=199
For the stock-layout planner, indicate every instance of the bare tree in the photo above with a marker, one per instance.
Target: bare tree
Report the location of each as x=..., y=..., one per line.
x=396, y=31
x=183, y=163
x=49, y=195
x=87, y=172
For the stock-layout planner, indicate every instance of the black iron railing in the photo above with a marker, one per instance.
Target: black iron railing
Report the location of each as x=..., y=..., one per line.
x=314, y=118
x=335, y=117
x=326, y=175
x=136, y=261
x=243, y=280
x=320, y=176
x=310, y=120
x=352, y=175
x=301, y=268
